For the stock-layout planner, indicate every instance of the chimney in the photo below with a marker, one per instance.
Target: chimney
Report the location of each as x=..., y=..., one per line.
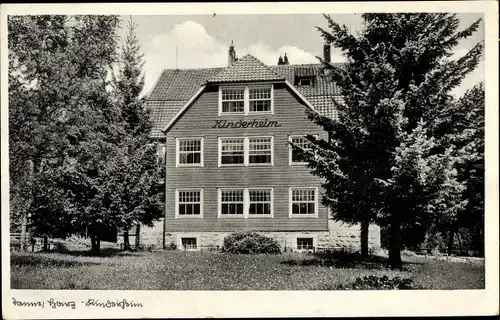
x=231, y=55
x=280, y=61
x=326, y=53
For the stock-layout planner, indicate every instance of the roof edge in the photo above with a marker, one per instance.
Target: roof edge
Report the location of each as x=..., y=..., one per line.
x=184, y=108
x=281, y=80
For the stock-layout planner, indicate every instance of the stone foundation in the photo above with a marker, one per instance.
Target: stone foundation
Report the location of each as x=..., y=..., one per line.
x=150, y=237
x=339, y=236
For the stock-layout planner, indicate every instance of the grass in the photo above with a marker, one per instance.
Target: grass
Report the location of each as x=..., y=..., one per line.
x=178, y=270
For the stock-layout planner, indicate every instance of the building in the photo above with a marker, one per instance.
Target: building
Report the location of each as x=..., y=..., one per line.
x=224, y=135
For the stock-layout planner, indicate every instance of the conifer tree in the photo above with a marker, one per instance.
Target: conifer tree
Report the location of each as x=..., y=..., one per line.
x=380, y=163
x=142, y=203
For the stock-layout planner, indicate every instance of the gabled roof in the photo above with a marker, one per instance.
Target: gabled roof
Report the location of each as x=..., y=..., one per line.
x=180, y=84
x=175, y=88
x=246, y=69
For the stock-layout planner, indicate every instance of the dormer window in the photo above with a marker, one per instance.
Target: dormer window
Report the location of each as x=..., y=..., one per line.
x=305, y=82
x=304, y=76
x=246, y=100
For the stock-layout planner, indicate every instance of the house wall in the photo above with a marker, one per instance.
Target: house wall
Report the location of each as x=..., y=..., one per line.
x=198, y=121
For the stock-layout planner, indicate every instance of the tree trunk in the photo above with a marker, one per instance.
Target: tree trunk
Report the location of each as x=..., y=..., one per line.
x=45, y=243
x=451, y=238
x=126, y=241
x=460, y=247
x=24, y=222
x=365, y=224
x=96, y=245
x=137, y=237
x=395, y=243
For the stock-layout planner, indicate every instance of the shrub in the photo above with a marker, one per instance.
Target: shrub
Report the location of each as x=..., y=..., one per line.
x=250, y=243
x=379, y=283
x=60, y=246
x=172, y=246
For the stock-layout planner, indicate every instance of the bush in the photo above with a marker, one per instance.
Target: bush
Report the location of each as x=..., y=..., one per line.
x=172, y=246
x=250, y=243
x=59, y=245
x=379, y=283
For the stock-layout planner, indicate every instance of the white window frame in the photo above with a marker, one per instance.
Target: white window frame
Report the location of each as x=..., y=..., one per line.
x=197, y=236
x=290, y=150
x=316, y=202
x=246, y=204
x=253, y=216
x=219, y=204
x=248, y=112
x=246, y=99
x=193, y=216
x=314, y=238
x=177, y=152
x=246, y=152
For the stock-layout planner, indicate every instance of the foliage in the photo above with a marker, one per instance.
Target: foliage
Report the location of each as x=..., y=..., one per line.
x=59, y=112
x=384, y=160
x=250, y=243
x=132, y=194
x=72, y=132
x=379, y=283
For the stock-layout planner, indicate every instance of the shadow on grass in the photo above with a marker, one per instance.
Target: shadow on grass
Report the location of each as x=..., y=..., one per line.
x=35, y=260
x=345, y=260
x=64, y=258
x=105, y=252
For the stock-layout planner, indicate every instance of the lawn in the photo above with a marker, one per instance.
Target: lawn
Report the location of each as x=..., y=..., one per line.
x=178, y=270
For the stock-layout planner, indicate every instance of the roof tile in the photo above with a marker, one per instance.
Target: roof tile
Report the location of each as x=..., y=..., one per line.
x=246, y=69
x=175, y=87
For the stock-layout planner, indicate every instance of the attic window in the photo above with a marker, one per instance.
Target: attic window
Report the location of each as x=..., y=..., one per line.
x=304, y=76
x=305, y=82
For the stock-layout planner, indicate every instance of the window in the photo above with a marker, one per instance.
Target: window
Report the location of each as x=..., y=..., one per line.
x=233, y=100
x=189, y=152
x=260, y=99
x=303, y=202
x=189, y=203
x=189, y=243
x=301, y=142
x=305, y=82
x=231, y=202
x=245, y=151
x=246, y=203
x=232, y=151
x=260, y=202
x=246, y=100
x=160, y=153
x=305, y=243
x=260, y=150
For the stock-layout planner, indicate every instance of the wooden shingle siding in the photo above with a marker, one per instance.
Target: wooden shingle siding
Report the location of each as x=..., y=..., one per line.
x=198, y=121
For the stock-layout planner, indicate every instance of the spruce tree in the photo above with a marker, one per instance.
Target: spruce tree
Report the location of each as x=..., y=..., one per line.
x=139, y=197
x=380, y=162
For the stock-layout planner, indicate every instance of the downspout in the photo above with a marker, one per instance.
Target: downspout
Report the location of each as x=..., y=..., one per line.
x=165, y=190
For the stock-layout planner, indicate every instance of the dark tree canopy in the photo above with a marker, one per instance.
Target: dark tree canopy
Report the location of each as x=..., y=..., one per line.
x=384, y=161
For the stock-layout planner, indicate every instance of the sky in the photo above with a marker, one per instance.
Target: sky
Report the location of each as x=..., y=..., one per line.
x=202, y=41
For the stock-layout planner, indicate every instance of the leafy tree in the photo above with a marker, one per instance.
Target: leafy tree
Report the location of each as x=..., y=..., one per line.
x=380, y=162
x=60, y=115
